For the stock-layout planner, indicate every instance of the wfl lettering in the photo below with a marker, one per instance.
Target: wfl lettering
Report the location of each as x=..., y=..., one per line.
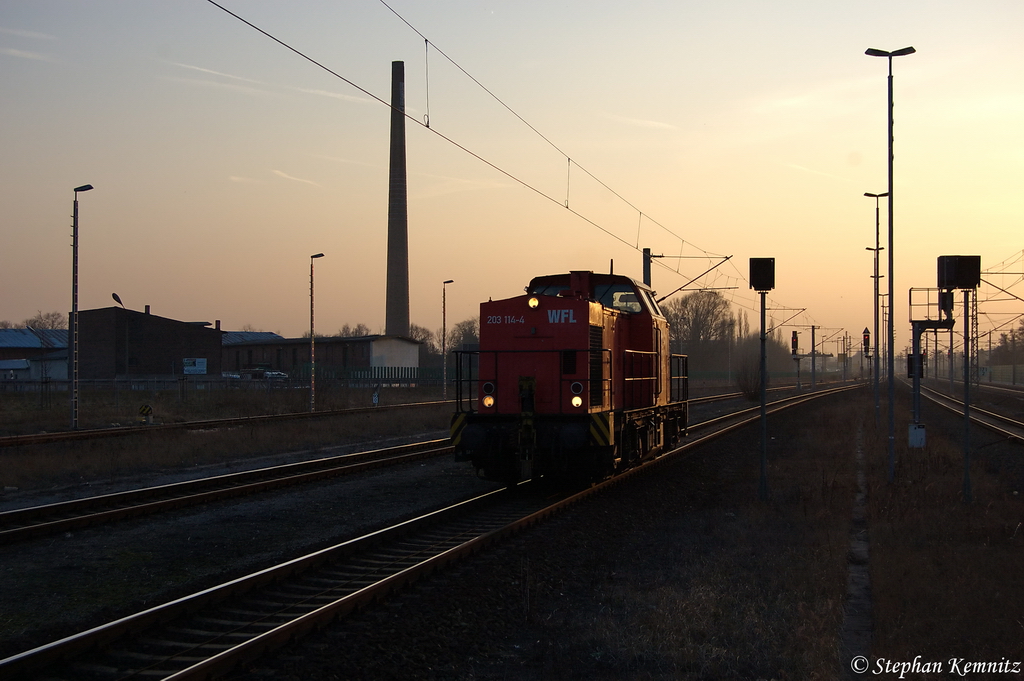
x=561, y=317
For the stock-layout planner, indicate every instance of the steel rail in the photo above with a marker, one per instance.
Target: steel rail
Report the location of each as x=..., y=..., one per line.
x=37, y=521
x=377, y=548
x=98, y=433
x=983, y=417
x=720, y=397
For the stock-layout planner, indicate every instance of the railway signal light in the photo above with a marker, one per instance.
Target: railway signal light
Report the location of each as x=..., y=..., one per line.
x=867, y=341
x=796, y=339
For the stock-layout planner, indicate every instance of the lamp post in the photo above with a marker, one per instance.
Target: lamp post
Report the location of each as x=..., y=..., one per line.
x=312, y=337
x=872, y=52
x=876, y=277
x=444, y=339
x=73, y=334
x=117, y=299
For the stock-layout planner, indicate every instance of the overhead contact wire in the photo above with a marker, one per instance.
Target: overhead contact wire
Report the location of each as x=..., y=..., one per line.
x=527, y=123
x=483, y=160
x=425, y=125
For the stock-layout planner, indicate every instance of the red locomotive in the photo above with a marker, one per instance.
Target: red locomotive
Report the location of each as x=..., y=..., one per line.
x=572, y=379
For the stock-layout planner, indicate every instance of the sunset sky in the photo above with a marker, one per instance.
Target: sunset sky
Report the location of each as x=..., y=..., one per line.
x=222, y=160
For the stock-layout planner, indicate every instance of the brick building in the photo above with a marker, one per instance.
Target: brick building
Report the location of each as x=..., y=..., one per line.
x=114, y=343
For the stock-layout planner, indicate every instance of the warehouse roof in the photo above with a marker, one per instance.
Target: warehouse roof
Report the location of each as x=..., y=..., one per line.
x=33, y=338
x=240, y=337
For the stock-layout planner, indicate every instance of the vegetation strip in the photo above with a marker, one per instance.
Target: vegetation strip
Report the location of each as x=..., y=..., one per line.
x=99, y=433
x=856, y=633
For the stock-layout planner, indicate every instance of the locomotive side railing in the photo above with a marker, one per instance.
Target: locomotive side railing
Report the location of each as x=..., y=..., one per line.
x=641, y=377
x=679, y=386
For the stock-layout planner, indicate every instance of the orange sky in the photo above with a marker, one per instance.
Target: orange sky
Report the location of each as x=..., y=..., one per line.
x=221, y=160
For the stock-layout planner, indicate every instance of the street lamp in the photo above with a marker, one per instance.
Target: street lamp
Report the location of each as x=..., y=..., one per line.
x=117, y=299
x=312, y=341
x=73, y=333
x=872, y=52
x=876, y=277
x=444, y=338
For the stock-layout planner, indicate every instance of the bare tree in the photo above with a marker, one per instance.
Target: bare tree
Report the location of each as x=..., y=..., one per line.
x=466, y=332
x=47, y=320
x=698, y=318
x=353, y=331
x=4, y=324
x=423, y=335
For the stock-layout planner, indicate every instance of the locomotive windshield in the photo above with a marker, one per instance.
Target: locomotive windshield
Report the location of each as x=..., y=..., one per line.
x=617, y=295
x=548, y=289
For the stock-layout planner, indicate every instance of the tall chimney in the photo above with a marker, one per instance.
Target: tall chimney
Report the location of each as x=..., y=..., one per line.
x=396, y=321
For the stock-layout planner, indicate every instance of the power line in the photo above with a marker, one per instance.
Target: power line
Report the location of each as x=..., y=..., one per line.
x=533, y=128
x=425, y=124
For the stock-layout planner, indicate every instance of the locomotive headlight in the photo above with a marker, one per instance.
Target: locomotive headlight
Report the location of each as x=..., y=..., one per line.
x=576, y=388
x=488, y=388
x=533, y=302
x=488, y=401
x=577, y=401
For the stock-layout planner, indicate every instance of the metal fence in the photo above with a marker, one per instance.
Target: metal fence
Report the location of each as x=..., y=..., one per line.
x=356, y=378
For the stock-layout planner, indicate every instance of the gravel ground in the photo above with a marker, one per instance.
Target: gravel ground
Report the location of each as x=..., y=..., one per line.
x=677, y=575
x=666, y=576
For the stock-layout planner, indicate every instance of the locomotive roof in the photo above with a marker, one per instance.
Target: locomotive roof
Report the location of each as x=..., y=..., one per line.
x=610, y=290
x=595, y=278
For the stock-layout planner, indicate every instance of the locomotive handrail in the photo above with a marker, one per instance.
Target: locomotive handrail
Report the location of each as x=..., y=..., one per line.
x=464, y=364
x=679, y=370
x=629, y=366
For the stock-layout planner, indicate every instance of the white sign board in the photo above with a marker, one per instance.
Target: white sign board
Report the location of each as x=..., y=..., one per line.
x=194, y=365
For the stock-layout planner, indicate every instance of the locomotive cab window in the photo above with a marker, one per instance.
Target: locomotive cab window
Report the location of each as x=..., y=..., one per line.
x=618, y=296
x=549, y=289
x=652, y=304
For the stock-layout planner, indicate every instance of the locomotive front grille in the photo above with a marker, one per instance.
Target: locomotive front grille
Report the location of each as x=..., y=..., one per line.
x=596, y=366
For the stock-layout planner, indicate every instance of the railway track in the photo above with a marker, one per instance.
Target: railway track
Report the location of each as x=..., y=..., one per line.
x=998, y=423
x=38, y=521
x=211, y=632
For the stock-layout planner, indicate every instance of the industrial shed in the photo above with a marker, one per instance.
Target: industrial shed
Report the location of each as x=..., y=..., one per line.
x=336, y=357
x=26, y=343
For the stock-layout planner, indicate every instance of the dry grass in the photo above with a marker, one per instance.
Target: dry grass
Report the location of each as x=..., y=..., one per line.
x=26, y=412
x=734, y=588
x=946, y=574
x=44, y=466
x=719, y=585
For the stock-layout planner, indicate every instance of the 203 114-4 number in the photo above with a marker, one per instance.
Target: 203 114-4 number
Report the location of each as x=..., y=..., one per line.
x=507, y=319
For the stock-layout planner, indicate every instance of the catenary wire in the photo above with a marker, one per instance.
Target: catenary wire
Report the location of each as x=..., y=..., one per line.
x=425, y=124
